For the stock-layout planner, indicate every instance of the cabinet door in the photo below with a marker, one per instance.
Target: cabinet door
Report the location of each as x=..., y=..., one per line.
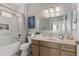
x=70, y=48
x=54, y=52
x=35, y=50
x=44, y=51
x=65, y=53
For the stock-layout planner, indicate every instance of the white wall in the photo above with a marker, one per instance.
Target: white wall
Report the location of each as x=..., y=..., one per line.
x=8, y=36
x=77, y=33
x=20, y=7
x=23, y=21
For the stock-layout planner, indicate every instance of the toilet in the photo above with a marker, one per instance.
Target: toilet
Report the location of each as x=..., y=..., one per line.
x=26, y=48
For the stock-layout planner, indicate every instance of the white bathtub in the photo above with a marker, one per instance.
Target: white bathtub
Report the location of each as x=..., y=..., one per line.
x=10, y=49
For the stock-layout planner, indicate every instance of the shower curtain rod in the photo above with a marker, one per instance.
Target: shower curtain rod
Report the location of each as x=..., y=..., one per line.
x=11, y=9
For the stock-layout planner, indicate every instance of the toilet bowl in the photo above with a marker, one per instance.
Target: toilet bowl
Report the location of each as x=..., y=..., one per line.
x=26, y=47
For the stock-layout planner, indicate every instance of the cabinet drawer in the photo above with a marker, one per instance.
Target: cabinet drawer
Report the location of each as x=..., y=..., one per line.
x=71, y=48
x=50, y=44
x=35, y=42
x=65, y=53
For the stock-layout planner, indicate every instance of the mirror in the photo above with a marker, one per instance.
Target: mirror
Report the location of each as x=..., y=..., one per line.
x=54, y=24
x=44, y=24
x=62, y=23
x=58, y=24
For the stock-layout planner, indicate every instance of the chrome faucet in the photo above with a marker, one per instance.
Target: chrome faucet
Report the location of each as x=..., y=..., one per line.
x=61, y=36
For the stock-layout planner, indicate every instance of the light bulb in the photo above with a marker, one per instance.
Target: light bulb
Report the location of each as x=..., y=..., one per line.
x=51, y=10
x=57, y=8
x=46, y=11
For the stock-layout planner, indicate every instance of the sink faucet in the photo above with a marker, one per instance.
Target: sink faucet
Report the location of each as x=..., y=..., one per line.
x=61, y=36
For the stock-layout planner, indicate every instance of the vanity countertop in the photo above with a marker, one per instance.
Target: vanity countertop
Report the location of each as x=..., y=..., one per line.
x=56, y=40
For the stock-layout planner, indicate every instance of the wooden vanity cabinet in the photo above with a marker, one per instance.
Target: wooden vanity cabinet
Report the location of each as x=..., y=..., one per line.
x=35, y=48
x=44, y=51
x=43, y=48
x=67, y=53
x=68, y=50
x=49, y=49
x=54, y=52
x=49, y=44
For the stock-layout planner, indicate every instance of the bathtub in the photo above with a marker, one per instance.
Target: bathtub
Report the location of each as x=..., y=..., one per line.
x=10, y=49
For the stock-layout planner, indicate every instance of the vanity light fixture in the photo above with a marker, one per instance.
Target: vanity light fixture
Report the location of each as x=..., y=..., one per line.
x=46, y=11
x=51, y=12
x=57, y=8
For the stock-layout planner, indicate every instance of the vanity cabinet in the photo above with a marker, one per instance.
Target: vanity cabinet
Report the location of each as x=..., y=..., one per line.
x=44, y=48
x=54, y=52
x=35, y=48
x=67, y=53
x=68, y=50
x=49, y=44
x=44, y=51
x=49, y=48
